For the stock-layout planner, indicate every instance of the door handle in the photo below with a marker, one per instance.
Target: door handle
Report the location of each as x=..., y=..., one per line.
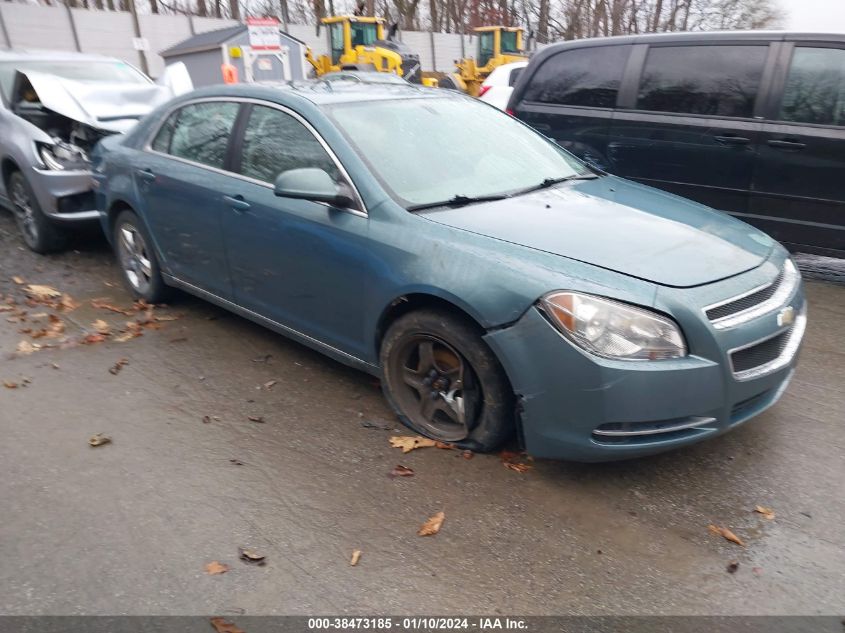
x=146, y=175
x=237, y=202
x=784, y=144
x=728, y=139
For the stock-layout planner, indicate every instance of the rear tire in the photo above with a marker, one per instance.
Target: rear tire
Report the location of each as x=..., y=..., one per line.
x=38, y=232
x=136, y=257
x=444, y=382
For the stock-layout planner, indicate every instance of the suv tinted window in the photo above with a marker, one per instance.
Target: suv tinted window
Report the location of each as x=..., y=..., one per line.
x=710, y=80
x=275, y=142
x=201, y=132
x=515, y=73
x=583, y=76
x=815, y=88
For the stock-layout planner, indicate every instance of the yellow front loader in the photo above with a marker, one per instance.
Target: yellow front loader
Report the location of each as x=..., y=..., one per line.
x=497, y=45
x=358, y=43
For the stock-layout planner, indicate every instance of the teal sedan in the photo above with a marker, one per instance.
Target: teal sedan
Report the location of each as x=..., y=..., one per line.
x=495, y=284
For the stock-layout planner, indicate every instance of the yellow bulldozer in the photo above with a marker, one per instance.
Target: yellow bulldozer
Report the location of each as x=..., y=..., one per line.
x=359, y=43
x=497, y=45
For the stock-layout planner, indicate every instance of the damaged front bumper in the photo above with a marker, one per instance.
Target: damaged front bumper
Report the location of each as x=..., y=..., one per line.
x=577, y=406
x=65, y=196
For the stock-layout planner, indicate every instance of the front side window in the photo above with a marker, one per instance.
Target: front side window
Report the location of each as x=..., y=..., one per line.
x=336, y=35
x=509, y=42
x=706, y=80
x=201, y=132
x=427, y=150
x=274, y=142
x=815, y=87
x=580, y=77
x=485, y=48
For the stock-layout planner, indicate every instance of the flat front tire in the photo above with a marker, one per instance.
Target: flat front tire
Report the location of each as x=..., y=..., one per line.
x=444, y=382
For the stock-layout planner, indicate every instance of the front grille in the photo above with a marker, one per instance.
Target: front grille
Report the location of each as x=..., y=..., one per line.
x=759, y=354
x=744, y=303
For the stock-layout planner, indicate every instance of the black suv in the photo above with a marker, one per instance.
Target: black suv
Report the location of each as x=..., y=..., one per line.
x=752, y=123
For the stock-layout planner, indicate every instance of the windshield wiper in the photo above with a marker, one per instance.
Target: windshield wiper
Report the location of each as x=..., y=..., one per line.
x=551, y=182
x=458, y=201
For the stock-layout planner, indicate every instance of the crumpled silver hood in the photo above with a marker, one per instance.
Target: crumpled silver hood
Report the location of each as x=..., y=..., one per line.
x=110, y=106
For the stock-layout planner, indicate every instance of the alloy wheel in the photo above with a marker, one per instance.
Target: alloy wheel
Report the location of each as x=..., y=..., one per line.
x=24, y=212
x=134, y=258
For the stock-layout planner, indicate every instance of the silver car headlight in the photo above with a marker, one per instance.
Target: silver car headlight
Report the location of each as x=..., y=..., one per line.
x=612, y=329
x=61, y=156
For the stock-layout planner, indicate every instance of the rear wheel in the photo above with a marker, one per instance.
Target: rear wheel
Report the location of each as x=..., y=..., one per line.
x=444, y=382
x=136, y=256
x=38, y=232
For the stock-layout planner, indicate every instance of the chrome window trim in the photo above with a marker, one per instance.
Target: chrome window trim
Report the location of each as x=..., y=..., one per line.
x=796, y=334
x=147, y=147
x=790, y=280
x=694, y=422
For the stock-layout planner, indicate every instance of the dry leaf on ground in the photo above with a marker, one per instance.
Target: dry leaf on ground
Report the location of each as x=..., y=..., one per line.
x=91, y=339
x=408, y=443
x=726, y=534
x=99, y=439
x=767, y=513
x=270, y=383
x=68, y=303
x=433, y=525
x=114, y=369
x=215, y=567
x=101, y=326
x=356, y=556
x=251, y=556
x=18, y=280
x=468, y=454
x=25, y=347
x=222, y=626
x=256, y=418
x=41, y=293
x=401, y=471
x=10, y=385
x=520, y=468
x=101, y=304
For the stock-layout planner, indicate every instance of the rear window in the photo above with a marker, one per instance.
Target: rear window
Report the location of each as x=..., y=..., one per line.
x=581, y=77
x=815, y=88
x=708, y=80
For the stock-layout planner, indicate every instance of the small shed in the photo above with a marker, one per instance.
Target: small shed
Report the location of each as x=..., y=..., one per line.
x=204, y=54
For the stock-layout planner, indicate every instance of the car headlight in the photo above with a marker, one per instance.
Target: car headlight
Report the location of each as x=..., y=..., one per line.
x=612, y=329
x=60, y=156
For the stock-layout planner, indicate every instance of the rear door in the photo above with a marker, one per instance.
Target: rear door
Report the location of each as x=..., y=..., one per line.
x=799, y=180
x=686, y=121
x=571, y=96
x=180, y=180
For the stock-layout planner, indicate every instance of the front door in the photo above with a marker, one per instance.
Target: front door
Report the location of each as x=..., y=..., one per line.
x=180, y=182
x=300, y=263
x=799, y=189
x=690, y=126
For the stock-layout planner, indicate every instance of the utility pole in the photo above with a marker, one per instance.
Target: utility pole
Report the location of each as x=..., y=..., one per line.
x=136, y=25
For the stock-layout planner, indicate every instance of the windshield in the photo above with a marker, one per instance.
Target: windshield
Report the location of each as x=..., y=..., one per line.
x=509, y=42
x=485, y=48
x=363, y=33
x=111, y=71
x=433, y=149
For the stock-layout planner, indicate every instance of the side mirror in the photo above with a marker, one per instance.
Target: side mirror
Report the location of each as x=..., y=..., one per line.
x=310, y=183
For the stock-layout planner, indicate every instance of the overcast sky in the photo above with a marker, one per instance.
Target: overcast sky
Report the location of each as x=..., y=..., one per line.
x=825, y=16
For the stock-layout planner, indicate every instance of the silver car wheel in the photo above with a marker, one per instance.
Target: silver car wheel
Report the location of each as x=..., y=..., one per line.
x=24, y=212
x=134, y=258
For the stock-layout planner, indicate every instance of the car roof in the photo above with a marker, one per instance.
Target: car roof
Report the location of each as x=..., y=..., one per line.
x=18, y=54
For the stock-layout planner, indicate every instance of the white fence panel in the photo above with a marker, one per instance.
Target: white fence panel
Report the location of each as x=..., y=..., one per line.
x=106, y=33
x=447, y=49
x=419, y=43
x=201, y=25
x=33, y=26
x=308, y=33
x=162, y=31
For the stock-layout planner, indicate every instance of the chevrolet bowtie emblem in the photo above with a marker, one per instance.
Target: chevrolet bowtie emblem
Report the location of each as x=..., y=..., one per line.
x=786, y=316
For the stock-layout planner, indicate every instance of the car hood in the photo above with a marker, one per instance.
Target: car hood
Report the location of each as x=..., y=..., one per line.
x=621, y=226
x=110, y=106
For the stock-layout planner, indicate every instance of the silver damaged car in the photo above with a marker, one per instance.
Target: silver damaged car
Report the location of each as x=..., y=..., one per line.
x=54, y=107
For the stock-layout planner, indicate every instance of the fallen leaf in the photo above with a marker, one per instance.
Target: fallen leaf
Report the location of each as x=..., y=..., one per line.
x=101, y=327
x=55, y=366
x=10, y=385
x=102, y=305
x=42, y=292
x=433, y=525
x=520, y=468
x=401, y=471
x=222, y=626
x=732, y=567
x=356, y=556
x=214, y=568
x=206, y=419
x=114, y=369
x=408, y=443
x=25, y=348
x=256, y=418
x=444, y=445
x=68, y=303
x=99, y=439
x=251, y=556
x=91, y=339
x=468, y=454
x=767, y=513
x=726, y=534
x=269, y=384
x=18, y=280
